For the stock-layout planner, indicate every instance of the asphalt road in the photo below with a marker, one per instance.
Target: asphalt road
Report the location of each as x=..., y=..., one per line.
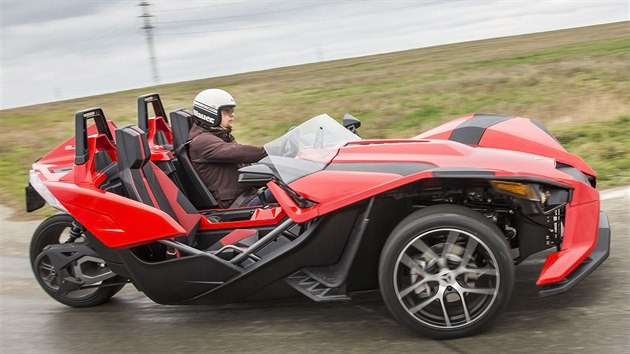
x=593, y=317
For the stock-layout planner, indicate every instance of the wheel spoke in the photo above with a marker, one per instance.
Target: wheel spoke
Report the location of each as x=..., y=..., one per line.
x=464, y=306
x=480, y=291
x=422, y=247
x=50, y=280
x=412, y=287
x=411, y=264
x=443, y=304
x=471, y=245
x=480, y=271
x=46, y=267
x=450, y=242
x=425, y=303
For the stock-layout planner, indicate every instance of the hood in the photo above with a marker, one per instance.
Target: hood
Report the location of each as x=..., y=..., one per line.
x=508, y=133
x=407, y=157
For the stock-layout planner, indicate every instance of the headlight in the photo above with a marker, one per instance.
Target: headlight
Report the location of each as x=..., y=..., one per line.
x=524, y=190
x=44, y=192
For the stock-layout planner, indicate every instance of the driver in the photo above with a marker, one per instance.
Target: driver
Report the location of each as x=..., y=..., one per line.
x=213, y=151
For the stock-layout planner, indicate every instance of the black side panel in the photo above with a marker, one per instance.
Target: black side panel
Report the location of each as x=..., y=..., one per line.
x=471, y=130
x=177, y=280
x=385, y=215
x=321, y=245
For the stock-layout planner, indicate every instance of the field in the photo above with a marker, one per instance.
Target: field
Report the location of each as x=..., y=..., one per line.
x=576, y=81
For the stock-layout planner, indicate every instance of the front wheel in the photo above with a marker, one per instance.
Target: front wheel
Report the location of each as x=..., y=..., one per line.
x=59, y=229
x=446, y=272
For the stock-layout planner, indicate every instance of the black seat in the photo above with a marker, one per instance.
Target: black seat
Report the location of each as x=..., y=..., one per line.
x=157, y=127
x=145, y=182
x=193, y=186
x=181, y=122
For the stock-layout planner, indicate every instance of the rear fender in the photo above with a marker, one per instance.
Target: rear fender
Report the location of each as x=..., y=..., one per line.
x=116, y=221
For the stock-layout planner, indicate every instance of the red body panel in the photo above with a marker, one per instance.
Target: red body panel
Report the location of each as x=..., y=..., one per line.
x=581, y=222
x=580, y=226
x=159, y=152
x=510, y=135
x=100, y=212
x=517, y=134
x=157, y=125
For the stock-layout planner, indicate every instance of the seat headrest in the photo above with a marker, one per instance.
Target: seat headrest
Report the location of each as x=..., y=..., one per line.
x=132, y=149
x=181, y=122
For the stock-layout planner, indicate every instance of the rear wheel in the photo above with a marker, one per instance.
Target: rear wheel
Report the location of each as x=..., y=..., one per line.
x=446, y=272
x=58, y=229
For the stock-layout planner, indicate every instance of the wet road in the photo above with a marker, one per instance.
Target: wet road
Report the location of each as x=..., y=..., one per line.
x=593, y=317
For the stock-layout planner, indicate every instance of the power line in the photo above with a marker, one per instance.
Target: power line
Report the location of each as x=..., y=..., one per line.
x=199, y=7
x=219, y=19
x=230, y=29
x=149, y=32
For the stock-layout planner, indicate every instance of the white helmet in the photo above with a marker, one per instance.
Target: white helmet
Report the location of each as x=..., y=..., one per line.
x=207, y=107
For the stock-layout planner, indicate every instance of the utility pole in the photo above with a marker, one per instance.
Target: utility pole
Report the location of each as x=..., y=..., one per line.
x=149, y=32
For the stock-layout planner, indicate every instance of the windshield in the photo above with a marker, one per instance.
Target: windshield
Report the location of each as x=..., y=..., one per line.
x=307, y=148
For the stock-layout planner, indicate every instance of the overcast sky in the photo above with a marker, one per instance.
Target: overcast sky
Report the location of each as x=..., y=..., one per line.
x=54, y=50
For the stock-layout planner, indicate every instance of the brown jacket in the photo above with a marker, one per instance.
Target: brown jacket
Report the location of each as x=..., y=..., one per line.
x=216, y=157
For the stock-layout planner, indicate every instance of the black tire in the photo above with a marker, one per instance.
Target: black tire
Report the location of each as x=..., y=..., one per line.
x=54, y=230
x=437, y=281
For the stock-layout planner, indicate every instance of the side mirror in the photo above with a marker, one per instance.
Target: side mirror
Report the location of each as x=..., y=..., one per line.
x=255, y=175
x=351, y=123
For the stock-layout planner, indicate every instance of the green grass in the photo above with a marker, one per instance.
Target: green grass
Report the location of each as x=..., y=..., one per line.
x=600, y=48
x=605, y=147
x=567, y=79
